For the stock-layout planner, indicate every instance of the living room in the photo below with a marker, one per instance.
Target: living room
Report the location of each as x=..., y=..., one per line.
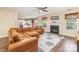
x=50, y=30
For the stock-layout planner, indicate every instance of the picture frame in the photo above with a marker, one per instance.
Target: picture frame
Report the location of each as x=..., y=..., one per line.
x=55, y=18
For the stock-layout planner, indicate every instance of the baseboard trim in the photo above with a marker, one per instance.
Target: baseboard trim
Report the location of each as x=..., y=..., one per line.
x=67, y=36
x=3, y=36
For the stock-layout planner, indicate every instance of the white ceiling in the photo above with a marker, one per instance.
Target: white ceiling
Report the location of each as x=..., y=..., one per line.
x=28, y=12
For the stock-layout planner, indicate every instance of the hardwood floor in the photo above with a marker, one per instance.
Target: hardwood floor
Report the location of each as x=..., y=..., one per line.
x=4, y=44
x=67, y=45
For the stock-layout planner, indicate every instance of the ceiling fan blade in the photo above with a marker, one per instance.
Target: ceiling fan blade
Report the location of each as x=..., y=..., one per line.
x=45, y=10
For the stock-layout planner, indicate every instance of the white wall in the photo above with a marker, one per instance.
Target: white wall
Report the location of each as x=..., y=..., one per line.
x=63, y=29
x=7, y=20
x=62, y=22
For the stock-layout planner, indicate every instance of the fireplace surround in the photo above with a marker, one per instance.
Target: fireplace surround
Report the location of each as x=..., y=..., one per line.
x=54, y=29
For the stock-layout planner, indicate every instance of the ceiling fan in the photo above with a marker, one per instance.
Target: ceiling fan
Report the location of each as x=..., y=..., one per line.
x=39, y=9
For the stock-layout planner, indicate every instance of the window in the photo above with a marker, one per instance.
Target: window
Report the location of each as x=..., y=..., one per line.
x=71, y=21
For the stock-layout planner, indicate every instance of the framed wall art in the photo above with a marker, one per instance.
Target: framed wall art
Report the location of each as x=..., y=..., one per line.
x=55, y=18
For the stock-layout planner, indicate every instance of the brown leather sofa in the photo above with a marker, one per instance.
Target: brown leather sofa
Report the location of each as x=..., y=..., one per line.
x=21, y=40
x=38, y=29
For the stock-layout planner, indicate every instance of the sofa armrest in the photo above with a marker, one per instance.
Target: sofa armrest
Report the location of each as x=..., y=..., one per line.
x=23, y=44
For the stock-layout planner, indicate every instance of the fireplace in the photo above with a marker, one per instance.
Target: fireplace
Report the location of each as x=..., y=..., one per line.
x=54, y=29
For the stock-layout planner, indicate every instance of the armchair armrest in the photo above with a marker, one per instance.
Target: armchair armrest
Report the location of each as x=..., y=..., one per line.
x=23, y=45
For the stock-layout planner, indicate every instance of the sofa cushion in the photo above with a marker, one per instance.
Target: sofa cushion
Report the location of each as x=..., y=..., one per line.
x=13, y=34
x=32, y=33
x=19, y=38
x=11, y=40
x=16, y=36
